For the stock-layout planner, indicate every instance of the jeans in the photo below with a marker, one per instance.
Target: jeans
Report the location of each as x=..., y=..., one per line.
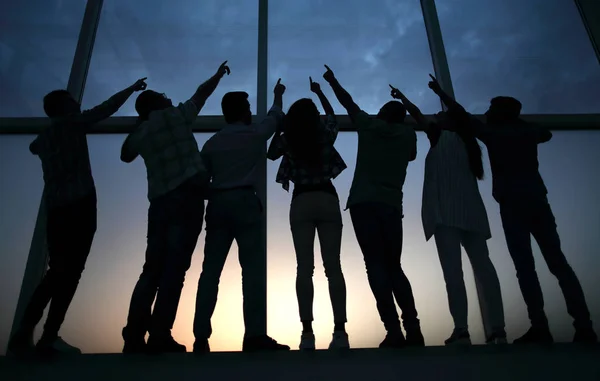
x=174, y=224
x=70, y=232
x=233, y=214
x=378, y=229
x=448, y=241
x=311, y=212
x=521, y=219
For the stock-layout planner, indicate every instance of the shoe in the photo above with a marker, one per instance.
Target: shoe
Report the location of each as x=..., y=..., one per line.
x=393, y=340
x=307, y=341
x=21, y=344
x=135, y=346
x=536, y=335
x=339, y=340
x=50, y=347
x=585, y=336
x=164, y=345
x=262, y=343
x=459, y=337
x=414, y=338
x=497, y=337
x=201, y=346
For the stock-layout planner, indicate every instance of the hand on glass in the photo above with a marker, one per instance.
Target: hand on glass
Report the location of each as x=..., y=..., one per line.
x=223, y=69
x=434, y=84
x=314, y=86
x=395, y=93
x=140, y=84
x=328, y=76
x=279, y=88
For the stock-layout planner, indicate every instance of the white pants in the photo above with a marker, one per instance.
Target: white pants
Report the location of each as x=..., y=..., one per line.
x=448, y=241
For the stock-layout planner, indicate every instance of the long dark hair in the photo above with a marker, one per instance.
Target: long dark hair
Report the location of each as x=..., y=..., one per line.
x=461, y=124
x=302, y=126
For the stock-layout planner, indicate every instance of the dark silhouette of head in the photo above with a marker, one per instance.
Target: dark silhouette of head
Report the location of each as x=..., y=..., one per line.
x=60, y=103
x=301, y=128
x=503, y=110
x=236, y=107
x=458, y=122
x=149, y=101
x=392, y=112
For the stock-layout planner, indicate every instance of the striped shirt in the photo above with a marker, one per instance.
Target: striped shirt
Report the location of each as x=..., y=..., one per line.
x=290, y=169
x=63, y=150
x=450, y=192
x=167, y=144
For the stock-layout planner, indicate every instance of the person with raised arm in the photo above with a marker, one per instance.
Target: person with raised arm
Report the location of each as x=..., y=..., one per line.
x=70, y=198
x=525, y=211
x=311, y=162
x=177, y=186
x=234, y=212
x=385, y=147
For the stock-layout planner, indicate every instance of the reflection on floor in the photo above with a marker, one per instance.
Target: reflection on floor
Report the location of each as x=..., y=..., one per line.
x=560, y=362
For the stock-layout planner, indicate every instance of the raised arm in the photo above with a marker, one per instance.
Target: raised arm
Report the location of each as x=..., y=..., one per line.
x=341, y=94
x=109, y=107
x=412, y=109
x=274, y=120
x=206, y=89
x=331, y=126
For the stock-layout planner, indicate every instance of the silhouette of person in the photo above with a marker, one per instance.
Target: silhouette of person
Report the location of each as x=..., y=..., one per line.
x=522, y=195
x=70, y=196
x=454, y=214
x=177, y=185
x=310, y=161
x=385, y=147
x=234, y=211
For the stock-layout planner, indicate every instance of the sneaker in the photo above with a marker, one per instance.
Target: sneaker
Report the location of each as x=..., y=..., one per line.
x=536, y=335
x=414, y=338
x=497, y=337
x=21, y=344
x=49, y=347
x=135, y=346
x=339, y=340
x=307, y=341
x=393, y=340
x=164, y=345
x=459, y=337
x=585, y=336
x=262, y=343
x=201, y=346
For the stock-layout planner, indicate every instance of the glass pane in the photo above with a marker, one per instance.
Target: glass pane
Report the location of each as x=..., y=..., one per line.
x=537, y=51
x=177, y=45
x=367, y=44
x=37, y=44
x=20, y=194
x=577, y=218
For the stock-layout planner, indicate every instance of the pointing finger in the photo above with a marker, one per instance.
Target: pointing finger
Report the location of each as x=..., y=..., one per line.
x=279, y=81
x=143, y=79
x=310, y=79
x=327, y=67
x=432, y=77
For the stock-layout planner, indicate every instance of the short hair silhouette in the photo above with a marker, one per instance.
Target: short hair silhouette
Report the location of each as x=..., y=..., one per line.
x=509, y=107
x=392, y=112
x=149, y=101
x=235, y=106
x=57, y=102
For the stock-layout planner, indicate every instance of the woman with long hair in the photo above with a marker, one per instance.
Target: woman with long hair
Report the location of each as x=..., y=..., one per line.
x=454, y=214
x=311, y=162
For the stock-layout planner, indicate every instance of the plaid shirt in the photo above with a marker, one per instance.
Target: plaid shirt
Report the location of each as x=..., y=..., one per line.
x=63, y=150
x=291, y=170
x=167, y=144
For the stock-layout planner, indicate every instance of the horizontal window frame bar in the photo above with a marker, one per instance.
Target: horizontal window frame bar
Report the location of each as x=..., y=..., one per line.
x=209, y=124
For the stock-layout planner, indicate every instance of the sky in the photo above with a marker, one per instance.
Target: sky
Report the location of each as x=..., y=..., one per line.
x=535, y=50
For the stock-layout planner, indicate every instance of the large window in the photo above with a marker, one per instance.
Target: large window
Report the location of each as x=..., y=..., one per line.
x=537, y=51
x=37, y=45
x=367, y=44
x=177, y=45
x=577, y=215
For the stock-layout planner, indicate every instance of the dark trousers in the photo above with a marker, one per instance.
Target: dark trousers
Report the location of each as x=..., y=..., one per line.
x=174, y=224
x=521, y=219
x=378, y=229
x=234, y=214
x=70, y=231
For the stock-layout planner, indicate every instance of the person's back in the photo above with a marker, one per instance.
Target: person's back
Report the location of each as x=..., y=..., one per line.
x=384, y=151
